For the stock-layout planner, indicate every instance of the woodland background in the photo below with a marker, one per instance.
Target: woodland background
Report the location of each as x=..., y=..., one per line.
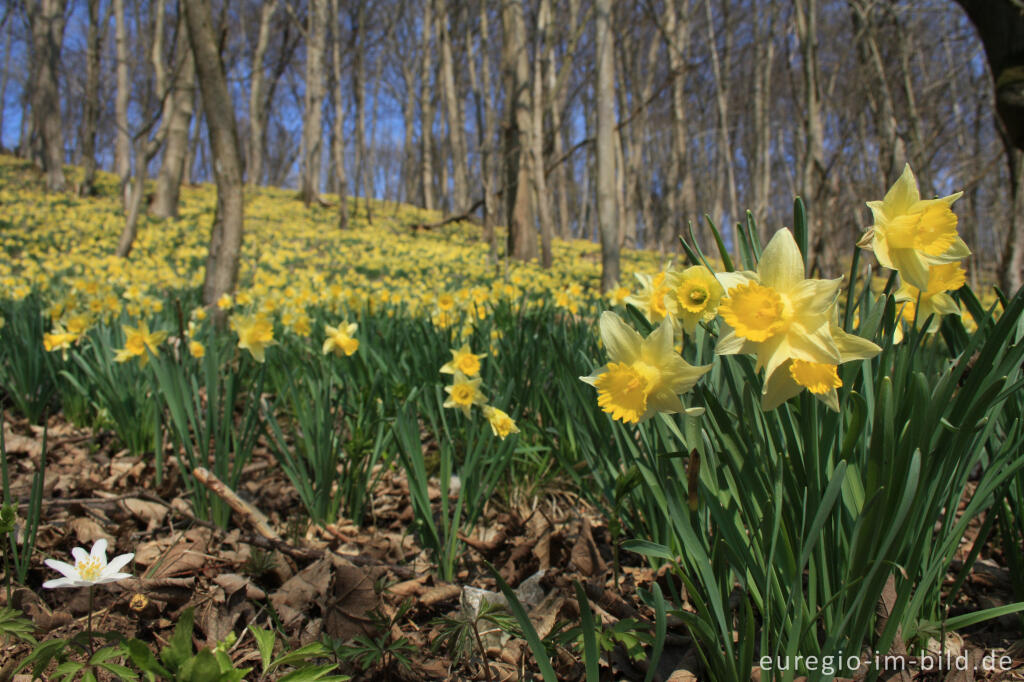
x=492, y=108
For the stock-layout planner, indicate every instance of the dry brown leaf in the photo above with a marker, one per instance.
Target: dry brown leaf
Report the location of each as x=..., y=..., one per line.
x=87, y=531
x=15, y=443
x=352, y=599
x=150, y=512
x=301, y=590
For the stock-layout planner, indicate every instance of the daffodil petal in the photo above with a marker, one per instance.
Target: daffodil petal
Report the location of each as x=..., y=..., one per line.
x=904, y=193
x=781, y=266
x=622, y=342
x=778, y=388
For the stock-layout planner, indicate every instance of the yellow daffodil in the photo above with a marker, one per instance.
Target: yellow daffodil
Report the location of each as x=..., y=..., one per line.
x=255, y=333
x=224, y=302
x=644, y=376
x=196, y=349
x=463, y=360
x=501, y=424
x=821, y=379
x=910, y=234
x=776, y=313
x=655, y=299
x=919, y=305
x=464, y=393
x=136, y=342
x=339, y=339
x=59, y=339
x=697, y=296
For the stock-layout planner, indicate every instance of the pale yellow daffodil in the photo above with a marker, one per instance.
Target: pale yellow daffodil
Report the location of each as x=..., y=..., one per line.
x=255, y=333
x=697, y=297
x=644, y=376
x=340, y=339
x=464, y=393
x=821, y=379
x=911, y=234
x=776, y=313
x=919, y=305
x=463, y=360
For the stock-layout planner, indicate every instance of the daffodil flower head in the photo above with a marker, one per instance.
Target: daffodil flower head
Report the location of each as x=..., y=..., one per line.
x=464, y=393
x=911, y=234
x=919, y=305
x=644, y=376
x=89, y=568
x=656, y=298
x=501, y=424
x=255, y=333
x=340, y=339
x=697, y=297
x=137, y=340
x=465, y=361
x=776, y=313
x=820, y=378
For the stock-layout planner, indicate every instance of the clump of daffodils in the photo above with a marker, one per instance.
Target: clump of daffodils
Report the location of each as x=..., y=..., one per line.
x=465, y=391
x=918, y=238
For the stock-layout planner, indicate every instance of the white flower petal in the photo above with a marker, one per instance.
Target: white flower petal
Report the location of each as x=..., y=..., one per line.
x=59, y=582
x=99, y=550
x=65, y=569
x=80, y=555
x=118, y=562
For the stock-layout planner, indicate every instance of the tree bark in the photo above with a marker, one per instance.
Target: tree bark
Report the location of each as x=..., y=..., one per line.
x=226, y=235
x=426, y=110
x=481, y=89
x=257, y=106
x=453, y=110
x=182, y=95
x=91, y=97
x=538, y=179
x=605, y=137
x=46, y=21
x=122, y=140
x=522, y=237
x=312, y=118
x=338, y=132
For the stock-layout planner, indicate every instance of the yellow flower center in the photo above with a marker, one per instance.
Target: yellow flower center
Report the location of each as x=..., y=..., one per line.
x=135, y=344
x=468, y=364
x=622, y=390
x=463, y=394
x=90, y=569
x=931, y=231
x=816, y=377
x=693, y=296
x=756, y=312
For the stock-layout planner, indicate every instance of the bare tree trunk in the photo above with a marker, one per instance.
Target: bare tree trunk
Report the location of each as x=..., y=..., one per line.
x=761, y=180
x=724, y=153
x=522, y=237
x=4, y=76
x=484, y=123
x=813, y=168
x=892, y=149
x=46, y=20
x=426, y=111
x=257, y=108
x=226, y=235
x=338, y=104
x=136, y=191
x=168, y=182
x=606, y=212
x=682, y=193
x=359, y=90
x=1011, y=265
x=91, y=97
x=312, y=119
x=122, y=140
x=536, y=160
x=453, y=111
x=410, y=167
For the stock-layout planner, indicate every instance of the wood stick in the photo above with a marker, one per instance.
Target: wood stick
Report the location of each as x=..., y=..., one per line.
x=254, y=516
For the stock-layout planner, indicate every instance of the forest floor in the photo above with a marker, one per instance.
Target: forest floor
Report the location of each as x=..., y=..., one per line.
x=343, y=580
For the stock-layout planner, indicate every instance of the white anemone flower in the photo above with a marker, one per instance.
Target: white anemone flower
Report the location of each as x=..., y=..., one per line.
x=90, y=568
